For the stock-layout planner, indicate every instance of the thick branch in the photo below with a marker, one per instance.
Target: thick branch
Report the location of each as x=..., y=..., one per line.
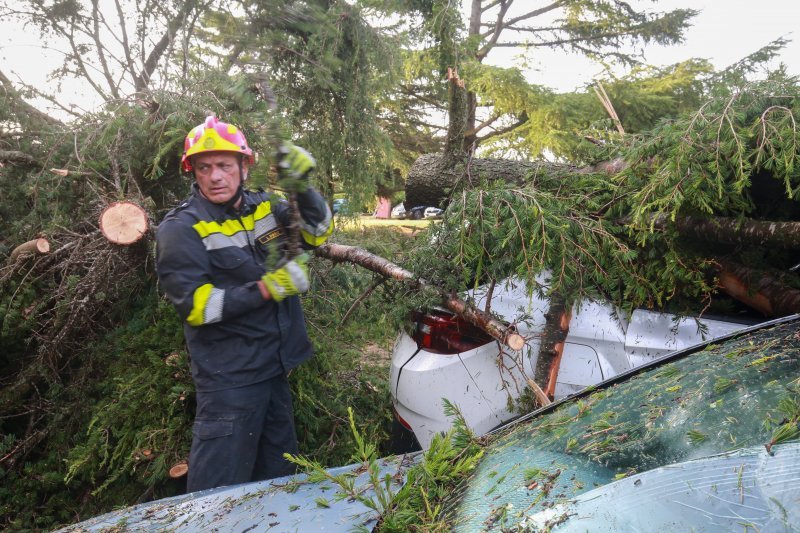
x=384, y=267
x=158, y=50
x=77, y=56
x=23, y=108
x=15, y=156
x=511, y=127
x=761, y=291
x=100, y=53
x=485, y=124
x=734, y=231
x=532, y=14
x=498, y=29
x=126, y=48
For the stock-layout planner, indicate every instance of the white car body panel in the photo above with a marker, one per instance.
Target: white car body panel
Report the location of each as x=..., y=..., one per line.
x=600, y=344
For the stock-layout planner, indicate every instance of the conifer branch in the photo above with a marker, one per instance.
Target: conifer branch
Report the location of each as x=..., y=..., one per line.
x=384, y=267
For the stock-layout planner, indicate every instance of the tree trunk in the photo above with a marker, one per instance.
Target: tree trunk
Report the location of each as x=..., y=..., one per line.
x=430, y=179
x=384, y=267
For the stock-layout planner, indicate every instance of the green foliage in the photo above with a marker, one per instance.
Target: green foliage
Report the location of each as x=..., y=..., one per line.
x=97, y=427
x=594, y=235
x=558, y=124
x=140, y=423
x=418, y=503
x=445, y=25
x=329, y=70
x=365, y=453
x=126, y=415
x=705, y=162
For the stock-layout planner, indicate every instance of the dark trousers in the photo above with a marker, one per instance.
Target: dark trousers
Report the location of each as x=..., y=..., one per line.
x=241, y=434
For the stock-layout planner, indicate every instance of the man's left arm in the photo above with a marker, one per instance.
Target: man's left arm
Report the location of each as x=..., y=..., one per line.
x=316, y=219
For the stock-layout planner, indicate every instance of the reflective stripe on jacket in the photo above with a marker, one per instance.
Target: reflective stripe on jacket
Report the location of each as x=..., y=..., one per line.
x=208, y=260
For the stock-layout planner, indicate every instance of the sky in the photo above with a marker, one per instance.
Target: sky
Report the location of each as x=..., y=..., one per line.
x=724, y=32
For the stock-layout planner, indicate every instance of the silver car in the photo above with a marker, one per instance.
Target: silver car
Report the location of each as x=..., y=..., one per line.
x=445, y=357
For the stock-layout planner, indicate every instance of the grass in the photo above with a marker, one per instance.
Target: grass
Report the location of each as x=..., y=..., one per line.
x=364, y=221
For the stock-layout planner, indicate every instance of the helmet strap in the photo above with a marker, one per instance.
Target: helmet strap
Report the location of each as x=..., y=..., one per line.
x=235, y=198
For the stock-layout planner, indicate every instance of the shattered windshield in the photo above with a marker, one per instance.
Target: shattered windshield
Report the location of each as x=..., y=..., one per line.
x=742, y=394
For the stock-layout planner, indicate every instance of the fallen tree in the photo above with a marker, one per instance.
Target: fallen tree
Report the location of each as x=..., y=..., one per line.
x=658, y=221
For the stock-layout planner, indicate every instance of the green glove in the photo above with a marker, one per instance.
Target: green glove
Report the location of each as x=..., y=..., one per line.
x=289, y=280
x=295, y=162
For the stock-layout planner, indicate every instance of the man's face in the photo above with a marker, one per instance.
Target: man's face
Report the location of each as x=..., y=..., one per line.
x=217, y=175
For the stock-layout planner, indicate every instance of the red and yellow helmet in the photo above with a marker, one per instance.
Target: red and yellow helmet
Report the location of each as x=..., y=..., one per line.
x=214, y=136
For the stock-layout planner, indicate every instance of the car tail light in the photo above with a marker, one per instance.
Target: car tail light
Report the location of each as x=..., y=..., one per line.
x=442, y=332
x=402, y=420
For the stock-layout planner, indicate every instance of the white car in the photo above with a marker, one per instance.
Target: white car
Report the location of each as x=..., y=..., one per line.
x=445, y=357
x=432, y=212
x=399, y=211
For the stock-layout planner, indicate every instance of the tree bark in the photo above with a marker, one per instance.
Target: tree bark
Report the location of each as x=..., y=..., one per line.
x=759, y=290
x=430, y=179
x=734, y=231
x=384, y=267
x=15, y=156
x=551, y=347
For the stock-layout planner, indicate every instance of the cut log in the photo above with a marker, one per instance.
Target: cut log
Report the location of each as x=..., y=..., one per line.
x=179, y=469
x=358, y=256
x=123, y=223
x=34, y=247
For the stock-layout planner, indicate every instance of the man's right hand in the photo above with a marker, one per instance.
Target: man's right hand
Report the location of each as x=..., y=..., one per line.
x=289, y=280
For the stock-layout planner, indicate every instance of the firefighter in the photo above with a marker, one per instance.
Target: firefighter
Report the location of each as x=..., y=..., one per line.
x=221, y=262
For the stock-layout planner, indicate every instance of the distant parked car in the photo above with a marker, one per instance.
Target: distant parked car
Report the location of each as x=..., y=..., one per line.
x=446, y=357
x=399, y=211
x=417, y=213
x=432, y=212
x=339, y=205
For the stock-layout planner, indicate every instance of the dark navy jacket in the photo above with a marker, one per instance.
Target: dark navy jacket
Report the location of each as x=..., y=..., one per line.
x=208, y=260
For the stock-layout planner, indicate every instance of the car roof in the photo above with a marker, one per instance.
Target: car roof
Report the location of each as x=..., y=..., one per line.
x=292, y=503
